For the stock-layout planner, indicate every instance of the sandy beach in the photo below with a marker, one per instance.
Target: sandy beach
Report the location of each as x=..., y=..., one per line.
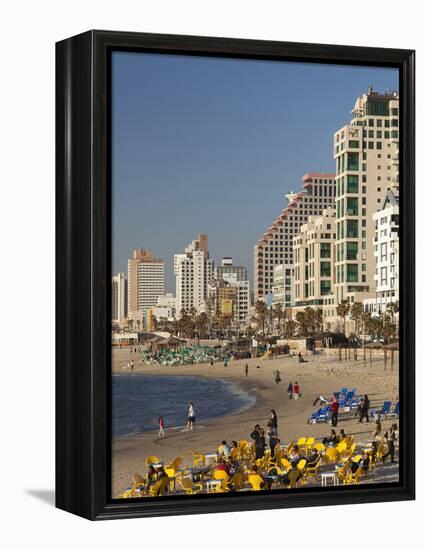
x=322, y=374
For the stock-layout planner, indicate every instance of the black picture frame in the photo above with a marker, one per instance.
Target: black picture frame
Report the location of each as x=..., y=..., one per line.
x=83, y=209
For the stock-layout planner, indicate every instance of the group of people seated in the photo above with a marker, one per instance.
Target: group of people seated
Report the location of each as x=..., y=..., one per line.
x=153, y=475
x=333, y=438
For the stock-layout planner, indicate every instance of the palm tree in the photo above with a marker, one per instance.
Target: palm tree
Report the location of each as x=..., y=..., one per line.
x=302, y=319
x=290, y=328
x=130, y=324
x=261, y=313
x=201, y=323
x=318, y=320
x=342, y=310
x=356, y=312
x=278, y=312
x=138, y=325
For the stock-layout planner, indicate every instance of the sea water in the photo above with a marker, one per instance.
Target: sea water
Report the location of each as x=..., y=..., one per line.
x=139, y=400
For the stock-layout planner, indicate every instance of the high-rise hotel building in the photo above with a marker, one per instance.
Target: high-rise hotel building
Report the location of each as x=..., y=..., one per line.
x=119, y=297
x=193, y=270
x=366, y=155
x=145, y=281
x=275, y=247
x=314, y=261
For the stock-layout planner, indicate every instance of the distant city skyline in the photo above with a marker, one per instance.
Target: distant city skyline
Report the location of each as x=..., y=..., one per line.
x=209, y=145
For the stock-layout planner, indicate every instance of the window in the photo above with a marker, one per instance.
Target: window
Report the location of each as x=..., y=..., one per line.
x=384, y=276
x=325, y=250
x=377, y=107
x=394, y=134
x=325, y=287
x=370, y=144
x=352, y=206
x=379, y=144
x=352, y=250
x=352, y=229
x=352, y=161
x=352, y=184
x=394, y=111
x=352, y=273
x=383, y=252
x=325, y=269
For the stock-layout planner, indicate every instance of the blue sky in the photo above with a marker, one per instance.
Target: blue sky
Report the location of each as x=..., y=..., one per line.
x=210, y=145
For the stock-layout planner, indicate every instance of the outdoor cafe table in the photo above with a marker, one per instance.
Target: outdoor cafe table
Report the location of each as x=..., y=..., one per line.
x=210, y=458
x=332, y=476
x=211, y=483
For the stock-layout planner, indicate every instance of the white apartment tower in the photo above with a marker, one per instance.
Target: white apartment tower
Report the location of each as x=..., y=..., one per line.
x=314, y=256
x=145, y=281
x=275, y=247
x=366, y=155
x=193, y=271
x=386, y=252
x=119, y=297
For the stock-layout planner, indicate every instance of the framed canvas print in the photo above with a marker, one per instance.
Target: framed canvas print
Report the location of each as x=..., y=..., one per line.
x=235, y=275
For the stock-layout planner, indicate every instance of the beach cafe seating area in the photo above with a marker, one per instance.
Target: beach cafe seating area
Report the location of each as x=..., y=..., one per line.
x=317, y=465
x=348, y=401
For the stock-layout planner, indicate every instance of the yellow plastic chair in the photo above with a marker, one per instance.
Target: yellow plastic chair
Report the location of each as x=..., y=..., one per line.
x=189, y=487
x=242, y=446
x=286, y=464
x=135, y=489
x=152, y=460
x=313, y=469
x=256, y=482
x=159, y=488
x=341, y=447
x=301, y=442
x=235, y=454
x=319, y=447
x=343, y=471
x=219, y=474
x=198, y=459
x=238, y=481
x=175, y=464
x=353, y=479
x=223, y=487
x=357, y=458
x=331, y=454
x=294, y=477
x=289, y=448
x=309, y=443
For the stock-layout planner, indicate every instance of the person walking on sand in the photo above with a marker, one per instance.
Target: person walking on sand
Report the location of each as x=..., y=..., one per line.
x=132, y=365
x=296, y=391
x=246, y=369
x=161, y=432
x=290, y=390
x=273, y=419
x=277, y=377
x=191, y=417
x=211, y=362
x=364, y=410
x=390, y=437
x=334, y=411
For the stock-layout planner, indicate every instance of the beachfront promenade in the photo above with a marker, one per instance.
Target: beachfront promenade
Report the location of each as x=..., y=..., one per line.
x=321, y=375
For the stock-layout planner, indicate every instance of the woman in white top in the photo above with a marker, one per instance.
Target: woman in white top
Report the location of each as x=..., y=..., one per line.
x=191, y=417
